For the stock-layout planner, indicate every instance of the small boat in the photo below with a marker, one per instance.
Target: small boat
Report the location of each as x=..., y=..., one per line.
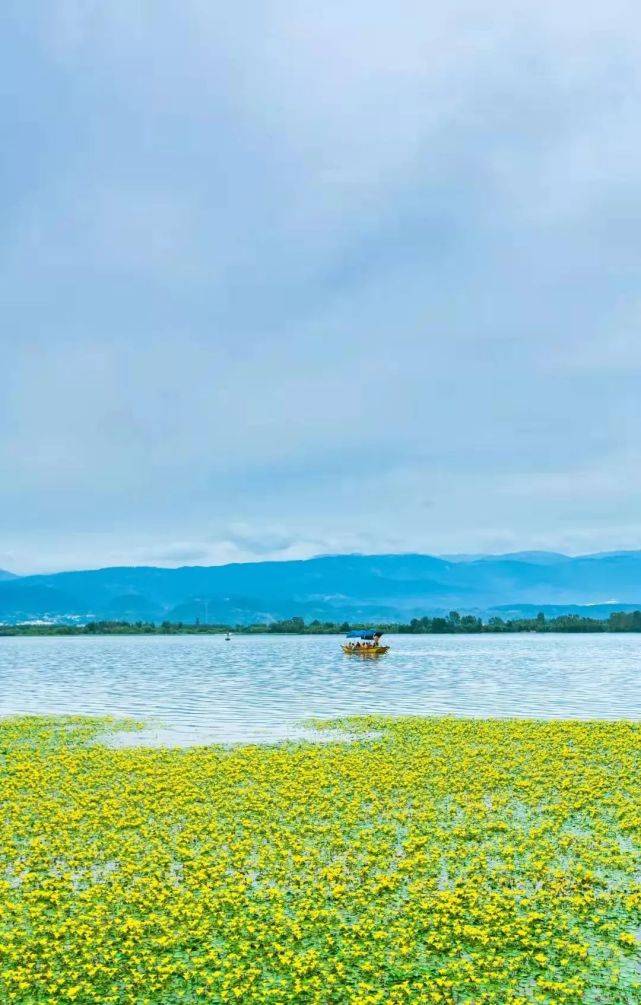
x=227, y=637
x=364, y=642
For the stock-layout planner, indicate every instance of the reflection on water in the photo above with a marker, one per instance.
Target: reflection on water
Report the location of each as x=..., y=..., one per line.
x=197, y=689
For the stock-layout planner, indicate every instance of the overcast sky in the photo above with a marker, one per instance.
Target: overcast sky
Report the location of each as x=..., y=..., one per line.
x=290, y=278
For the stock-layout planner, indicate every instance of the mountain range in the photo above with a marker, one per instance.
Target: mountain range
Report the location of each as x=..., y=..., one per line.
x=336, y=588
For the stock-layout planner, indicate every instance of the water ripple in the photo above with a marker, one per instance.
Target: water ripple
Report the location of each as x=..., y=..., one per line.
x=196, y=689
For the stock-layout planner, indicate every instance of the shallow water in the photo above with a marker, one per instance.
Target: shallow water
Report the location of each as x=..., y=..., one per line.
x=198, y=689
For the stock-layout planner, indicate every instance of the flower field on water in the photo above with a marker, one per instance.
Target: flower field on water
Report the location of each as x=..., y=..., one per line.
x=440, y=860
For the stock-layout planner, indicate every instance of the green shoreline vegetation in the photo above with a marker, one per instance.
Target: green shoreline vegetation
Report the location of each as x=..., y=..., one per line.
x=430, y=861
x=453, y=624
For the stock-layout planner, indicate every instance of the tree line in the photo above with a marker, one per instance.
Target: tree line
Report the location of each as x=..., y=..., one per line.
x=452, y=624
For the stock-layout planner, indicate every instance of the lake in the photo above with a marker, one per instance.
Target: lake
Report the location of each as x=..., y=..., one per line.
x=196, y=689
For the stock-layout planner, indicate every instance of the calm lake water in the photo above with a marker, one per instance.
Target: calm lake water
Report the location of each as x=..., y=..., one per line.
x=195, y=689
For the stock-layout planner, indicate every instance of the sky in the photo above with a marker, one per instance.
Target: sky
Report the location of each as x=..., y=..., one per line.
x=291, y=278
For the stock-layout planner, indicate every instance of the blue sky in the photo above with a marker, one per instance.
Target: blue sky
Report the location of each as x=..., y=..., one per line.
x=289, y=278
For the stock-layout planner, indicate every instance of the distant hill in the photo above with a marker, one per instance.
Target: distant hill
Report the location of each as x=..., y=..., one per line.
x=338, y=587
x=532, y=557
x=600, y=612
x=6, y=575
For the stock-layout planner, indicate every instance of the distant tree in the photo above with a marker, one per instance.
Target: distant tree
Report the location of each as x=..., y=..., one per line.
x=469, y=623
x=441, y=626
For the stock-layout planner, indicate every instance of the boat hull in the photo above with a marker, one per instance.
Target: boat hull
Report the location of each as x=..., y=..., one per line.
x=364, y=650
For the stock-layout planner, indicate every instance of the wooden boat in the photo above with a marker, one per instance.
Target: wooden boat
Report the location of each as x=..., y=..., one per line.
x=368, y=644
x=364, y=650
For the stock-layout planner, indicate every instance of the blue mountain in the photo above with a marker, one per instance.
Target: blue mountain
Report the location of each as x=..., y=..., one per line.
x=338, y=587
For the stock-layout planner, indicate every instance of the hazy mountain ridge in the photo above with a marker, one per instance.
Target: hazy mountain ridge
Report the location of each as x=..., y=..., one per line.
x=331, y=588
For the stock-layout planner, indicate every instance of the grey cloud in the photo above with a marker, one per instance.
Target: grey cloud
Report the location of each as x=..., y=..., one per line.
x=173, y=554
x=259, y=542
x=306, y=267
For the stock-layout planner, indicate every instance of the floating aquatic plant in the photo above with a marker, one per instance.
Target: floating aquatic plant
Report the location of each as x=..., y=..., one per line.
x=436, y=860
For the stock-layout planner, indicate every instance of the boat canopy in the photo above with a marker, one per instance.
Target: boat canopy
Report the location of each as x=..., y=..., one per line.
x=364, y=633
